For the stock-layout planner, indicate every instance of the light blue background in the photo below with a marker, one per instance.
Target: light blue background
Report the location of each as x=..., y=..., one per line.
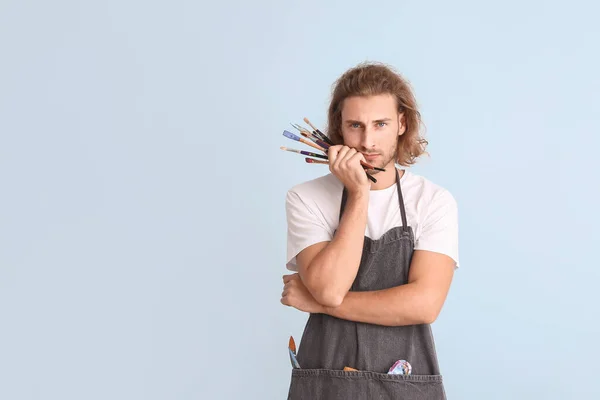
x=142, y=220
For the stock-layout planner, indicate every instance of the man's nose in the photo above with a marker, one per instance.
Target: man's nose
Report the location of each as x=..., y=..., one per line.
x=367, y=139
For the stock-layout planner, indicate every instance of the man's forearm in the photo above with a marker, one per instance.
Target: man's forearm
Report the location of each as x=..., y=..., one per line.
x=331, y=273
x=402, y=305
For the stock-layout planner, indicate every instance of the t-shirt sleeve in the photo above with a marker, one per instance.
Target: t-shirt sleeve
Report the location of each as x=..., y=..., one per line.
x=440, y=226
x=304, y=228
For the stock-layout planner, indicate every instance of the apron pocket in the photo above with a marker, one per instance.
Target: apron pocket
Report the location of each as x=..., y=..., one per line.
x=314, y=384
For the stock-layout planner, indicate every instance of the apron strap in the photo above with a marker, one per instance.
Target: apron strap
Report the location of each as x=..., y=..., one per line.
x=343, y=204
x=401, y=201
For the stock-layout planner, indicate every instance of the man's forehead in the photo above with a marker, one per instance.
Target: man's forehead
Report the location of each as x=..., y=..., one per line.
x=371, y=107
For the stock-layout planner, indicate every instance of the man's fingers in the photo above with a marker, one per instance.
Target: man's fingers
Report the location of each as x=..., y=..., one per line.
x=332, y=154
x=349, y=157
x=287, y=278
x=356, y=157
x=340, y=157
x=289, y=283
x=285, y=298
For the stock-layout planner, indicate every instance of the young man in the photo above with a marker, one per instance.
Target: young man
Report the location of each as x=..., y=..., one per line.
x=374, y=261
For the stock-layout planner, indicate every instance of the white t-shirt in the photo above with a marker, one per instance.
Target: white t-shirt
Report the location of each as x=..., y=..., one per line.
x=313, y=209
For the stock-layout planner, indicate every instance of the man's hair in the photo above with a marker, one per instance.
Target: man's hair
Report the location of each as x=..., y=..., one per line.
x=368, y=79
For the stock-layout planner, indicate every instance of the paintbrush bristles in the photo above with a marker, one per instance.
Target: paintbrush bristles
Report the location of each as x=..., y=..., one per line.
x=308, y=122
x=304, y=129
x=318, y=133
x=306, y=153
x=300, y=128
x=292, y=150
x=306, y=133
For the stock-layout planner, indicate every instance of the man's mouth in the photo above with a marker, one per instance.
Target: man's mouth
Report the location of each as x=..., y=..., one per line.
x=370, y=157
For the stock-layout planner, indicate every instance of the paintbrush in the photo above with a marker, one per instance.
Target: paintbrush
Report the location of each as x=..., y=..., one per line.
x=313, y=161
x=292, y=351
x=314, y=134
x=305, y=132
x=312, y=137
x=290, y=135
x=318, y=132
x=306, y=153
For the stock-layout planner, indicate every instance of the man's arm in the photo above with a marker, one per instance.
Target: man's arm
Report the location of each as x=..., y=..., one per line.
x=328, y=269
x=417, y=302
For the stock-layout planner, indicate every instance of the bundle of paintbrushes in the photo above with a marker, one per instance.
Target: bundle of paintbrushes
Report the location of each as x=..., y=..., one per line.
x=319, y=141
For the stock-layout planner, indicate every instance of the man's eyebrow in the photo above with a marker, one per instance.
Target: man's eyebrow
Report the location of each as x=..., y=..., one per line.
x=353, y=121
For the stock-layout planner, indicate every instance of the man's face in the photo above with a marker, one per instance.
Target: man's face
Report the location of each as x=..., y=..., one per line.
x=372, y=125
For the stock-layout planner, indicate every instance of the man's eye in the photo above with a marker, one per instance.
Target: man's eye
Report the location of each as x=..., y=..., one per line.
x=382, y=124
x=355, y=125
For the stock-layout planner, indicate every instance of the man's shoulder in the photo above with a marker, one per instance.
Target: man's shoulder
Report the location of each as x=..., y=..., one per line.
x=426, y=189
x=320, y=187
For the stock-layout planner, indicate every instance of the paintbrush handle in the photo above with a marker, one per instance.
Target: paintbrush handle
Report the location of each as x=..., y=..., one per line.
x=318, y=133
x=322, y=144
x=324, y=138
x=313, y=161
x=369, y=166
x=311, y=144
x=308, y=153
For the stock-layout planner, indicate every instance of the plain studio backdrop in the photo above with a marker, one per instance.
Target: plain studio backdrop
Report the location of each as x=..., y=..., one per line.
x=142, y=218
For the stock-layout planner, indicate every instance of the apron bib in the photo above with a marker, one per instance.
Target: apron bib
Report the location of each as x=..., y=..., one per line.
x=329, y=344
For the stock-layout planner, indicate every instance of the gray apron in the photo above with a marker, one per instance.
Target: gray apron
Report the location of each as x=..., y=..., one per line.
x=329, y=344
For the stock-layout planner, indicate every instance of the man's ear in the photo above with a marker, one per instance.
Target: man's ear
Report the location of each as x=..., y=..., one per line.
x=401, y=124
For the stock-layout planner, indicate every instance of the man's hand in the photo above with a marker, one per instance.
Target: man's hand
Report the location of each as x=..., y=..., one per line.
x=296, y=295
x=344, y=163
